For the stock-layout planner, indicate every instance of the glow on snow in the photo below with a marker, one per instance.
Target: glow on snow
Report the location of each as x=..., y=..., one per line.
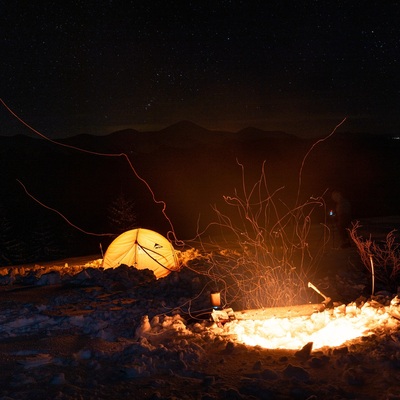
x=328, y=328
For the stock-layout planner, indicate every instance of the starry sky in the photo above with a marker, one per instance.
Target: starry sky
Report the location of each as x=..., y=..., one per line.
x=297, y=66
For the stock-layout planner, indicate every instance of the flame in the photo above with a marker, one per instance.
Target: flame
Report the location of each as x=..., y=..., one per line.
x=327, y=328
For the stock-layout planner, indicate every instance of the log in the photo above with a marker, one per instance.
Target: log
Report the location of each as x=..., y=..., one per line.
x=302, y=310
x=281, y=312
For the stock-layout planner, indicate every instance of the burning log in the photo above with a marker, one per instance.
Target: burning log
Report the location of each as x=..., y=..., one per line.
x=302, y=310
x=281, y=312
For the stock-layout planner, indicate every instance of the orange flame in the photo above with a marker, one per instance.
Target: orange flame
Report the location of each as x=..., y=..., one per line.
x=330, y=328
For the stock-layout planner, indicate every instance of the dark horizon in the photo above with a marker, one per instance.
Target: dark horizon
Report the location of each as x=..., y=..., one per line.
x=22, y=127
x=73, y=68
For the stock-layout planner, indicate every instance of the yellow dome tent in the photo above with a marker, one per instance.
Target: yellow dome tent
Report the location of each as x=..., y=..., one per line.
x=142, y=249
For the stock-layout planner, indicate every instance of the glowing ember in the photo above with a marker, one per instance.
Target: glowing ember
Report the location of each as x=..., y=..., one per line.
x=328, y=328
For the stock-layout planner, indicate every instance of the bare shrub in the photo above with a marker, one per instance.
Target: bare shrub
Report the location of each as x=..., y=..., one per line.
x=268, y=259
x=382, y=259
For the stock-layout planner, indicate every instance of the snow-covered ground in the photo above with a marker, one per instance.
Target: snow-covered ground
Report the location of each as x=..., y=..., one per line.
x=70, y=330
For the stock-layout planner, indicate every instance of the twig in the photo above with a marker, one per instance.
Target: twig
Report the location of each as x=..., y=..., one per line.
x=373, y=274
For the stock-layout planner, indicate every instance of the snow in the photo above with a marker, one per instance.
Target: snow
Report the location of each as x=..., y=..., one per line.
x=327, y=328
x=70, y=330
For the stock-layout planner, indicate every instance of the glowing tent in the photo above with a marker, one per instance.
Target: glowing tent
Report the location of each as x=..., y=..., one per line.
x=142, y=249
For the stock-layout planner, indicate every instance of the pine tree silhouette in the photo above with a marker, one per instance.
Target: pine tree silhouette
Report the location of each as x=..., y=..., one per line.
x=44, y=244
x=121, y=214
x=12, y=249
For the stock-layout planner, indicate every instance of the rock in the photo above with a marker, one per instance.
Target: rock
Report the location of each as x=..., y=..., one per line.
x=266, y=374
x=51, y=278
x=209, y=380
x=318, y=362
x=257, y=365
x=58, y=379
x=84, y=354
x=354, y=377
x=304, y=353
x=296, y=372
x=37, y=361
x=229, y=348
x=255, y=388
x=340, y=350
x=269, y=374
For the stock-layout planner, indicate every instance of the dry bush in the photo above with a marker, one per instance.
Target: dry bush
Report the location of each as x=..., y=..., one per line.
x=268, y=259
x=382, y=259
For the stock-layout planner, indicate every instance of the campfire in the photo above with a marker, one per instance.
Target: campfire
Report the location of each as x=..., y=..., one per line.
x=295, y=327
x=330, y=328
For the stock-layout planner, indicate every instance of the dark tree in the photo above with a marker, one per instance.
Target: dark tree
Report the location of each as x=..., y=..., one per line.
x=121, y=214
x=44, y=244
x=12, y=250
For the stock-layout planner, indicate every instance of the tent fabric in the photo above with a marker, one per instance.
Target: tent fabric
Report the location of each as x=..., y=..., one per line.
x=142, y=249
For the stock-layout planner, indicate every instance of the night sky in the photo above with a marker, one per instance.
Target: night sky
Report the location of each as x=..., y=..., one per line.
x=97, y=66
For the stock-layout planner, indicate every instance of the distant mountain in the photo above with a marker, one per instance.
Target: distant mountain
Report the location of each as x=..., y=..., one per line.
x=183, y=127
x=257, y=134
x=186, y=134
x=182, y=135
x=190, y=168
